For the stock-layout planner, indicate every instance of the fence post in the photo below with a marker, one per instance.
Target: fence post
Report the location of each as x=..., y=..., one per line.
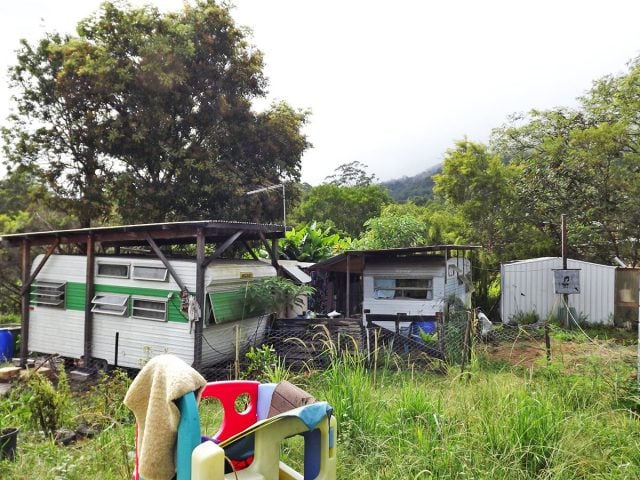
x=547, y=341
x=368, y=335
x=466, y=342
x=440, y=328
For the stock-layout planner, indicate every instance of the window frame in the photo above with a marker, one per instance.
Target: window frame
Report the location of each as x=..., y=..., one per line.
x=97, y=304
x=134, y=308
x=35, y=296
x=428, y=288
x=117, y=264
x=156, y=267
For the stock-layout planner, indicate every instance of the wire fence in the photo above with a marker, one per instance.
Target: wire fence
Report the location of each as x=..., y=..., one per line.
x=303, y=345
x=452, y=340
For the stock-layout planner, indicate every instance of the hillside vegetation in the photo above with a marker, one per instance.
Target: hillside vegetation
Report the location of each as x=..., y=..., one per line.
x=417, y=188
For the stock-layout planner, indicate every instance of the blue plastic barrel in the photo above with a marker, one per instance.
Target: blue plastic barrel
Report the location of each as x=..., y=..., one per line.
x=6, y=346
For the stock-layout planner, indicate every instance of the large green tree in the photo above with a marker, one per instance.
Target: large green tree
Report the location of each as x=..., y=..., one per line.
x=476, y=187
x=585, y=163
x=410, y=225
x=57, y=123
x=163, y=104
x=345, y=208
x=346, y=200
x=479, y=185
x=25, y=205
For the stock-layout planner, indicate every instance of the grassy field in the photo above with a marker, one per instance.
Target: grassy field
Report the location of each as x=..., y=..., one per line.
x=505, y=418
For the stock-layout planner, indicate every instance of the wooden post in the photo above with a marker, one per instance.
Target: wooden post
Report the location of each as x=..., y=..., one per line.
x=274, y=254
x=440, y=329
x=200, y=298
x=348, y=306
x=27, y=285
x=90, y=292
x=466, y=345
x=222, y=248
x=376, y=332
x=165, y=262
x=24, y=306
x=547, y=341
x=446, y=271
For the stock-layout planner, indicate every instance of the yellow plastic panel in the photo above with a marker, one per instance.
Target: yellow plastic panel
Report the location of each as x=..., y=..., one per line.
x=207, y=462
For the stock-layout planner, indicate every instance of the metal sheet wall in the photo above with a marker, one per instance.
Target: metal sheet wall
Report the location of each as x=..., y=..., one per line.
x=527, y=286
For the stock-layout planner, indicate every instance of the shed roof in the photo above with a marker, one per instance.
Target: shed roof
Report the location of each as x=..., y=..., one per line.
x=356, y=258
x=294, y=270
x=530, y=261
x=174, y=233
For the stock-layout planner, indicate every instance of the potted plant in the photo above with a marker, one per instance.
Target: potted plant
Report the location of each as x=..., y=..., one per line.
x=274, y=295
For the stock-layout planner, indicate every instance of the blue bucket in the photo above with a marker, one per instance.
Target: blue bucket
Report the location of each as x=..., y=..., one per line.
x=426, y=327
x=6, y=346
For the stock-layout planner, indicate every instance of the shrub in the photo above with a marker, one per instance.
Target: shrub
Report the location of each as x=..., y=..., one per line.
x=48, y=405
x=265, y=365
x=525, y=318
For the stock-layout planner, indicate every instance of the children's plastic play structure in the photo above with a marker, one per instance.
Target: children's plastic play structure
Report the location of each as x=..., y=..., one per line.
x=247, y=444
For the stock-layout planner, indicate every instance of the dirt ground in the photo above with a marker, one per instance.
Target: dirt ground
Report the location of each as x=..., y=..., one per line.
x=530, y=352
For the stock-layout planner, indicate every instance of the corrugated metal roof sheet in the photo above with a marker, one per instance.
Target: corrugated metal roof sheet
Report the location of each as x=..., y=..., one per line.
x=295, y=273
x=529, y=286
x=168, y=232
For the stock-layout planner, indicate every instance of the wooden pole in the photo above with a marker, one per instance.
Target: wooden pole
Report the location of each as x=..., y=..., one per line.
x=90, y=292
x=284, y=207
x=466, y=344
x=275, y=254
x=24, y=306
x=200, y=298
x=348, y=306
x=222, y=248
x=165, y=262
x=26, y=286
x=440, y=329
x=547, y=341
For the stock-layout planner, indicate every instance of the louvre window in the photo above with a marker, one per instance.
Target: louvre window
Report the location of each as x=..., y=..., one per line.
x=144, y=272
x=48, y=293
x=149, y=308
x=117, y=270
x=110, y=303
x=403, y=288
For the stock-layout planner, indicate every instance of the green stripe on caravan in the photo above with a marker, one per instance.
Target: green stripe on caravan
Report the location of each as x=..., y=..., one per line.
x=76, y=292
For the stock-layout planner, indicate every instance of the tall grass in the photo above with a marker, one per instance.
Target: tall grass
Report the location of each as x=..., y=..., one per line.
x=557, y=421
x=507, y=423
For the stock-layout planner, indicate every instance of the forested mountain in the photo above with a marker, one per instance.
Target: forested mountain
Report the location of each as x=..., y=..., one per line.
x=418, y=188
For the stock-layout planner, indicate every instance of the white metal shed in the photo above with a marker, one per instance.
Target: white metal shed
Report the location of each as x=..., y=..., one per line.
x=528, y=285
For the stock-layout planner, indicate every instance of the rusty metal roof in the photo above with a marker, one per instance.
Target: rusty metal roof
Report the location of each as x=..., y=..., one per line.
x=174, y=233
x=356, y=257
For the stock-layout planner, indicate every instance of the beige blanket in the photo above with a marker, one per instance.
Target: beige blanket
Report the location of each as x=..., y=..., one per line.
x=151, y=396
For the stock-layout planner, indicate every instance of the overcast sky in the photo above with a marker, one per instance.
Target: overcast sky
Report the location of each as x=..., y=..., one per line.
x=394, y=84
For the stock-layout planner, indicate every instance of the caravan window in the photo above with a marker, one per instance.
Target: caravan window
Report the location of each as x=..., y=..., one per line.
x=50, y=294
x=110, y=303
x=118, y=270
x=149, y=308
x=144, y=272
x=403, y=288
